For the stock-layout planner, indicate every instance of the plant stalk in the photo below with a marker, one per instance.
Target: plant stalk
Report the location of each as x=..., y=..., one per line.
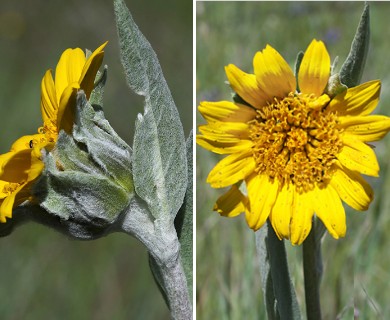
x=175, y=287
x=312, y=269
x=278, y=289
x=162, y=243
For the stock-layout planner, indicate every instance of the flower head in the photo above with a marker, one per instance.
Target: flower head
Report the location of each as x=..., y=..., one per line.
x=74, y=71
x=298, y=149
x=22, y=165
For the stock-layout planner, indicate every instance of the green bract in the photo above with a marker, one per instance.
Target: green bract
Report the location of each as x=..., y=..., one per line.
x=87, y=178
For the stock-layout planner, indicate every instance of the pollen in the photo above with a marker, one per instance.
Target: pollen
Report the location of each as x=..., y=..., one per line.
x=296, y=140
x=9, y=188
x=49, y=131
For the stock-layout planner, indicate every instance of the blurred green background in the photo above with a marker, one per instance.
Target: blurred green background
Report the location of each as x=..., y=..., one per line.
x=43, y=275
x=356, y=268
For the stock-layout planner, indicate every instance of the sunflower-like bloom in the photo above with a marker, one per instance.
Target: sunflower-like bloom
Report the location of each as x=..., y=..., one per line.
x=58, y=99
x=22, y=165
x=299, y=151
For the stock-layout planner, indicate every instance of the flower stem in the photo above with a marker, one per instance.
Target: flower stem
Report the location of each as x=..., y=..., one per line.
x=175, y=287
x=160, y=238
x=312, y=269
x=278, y=289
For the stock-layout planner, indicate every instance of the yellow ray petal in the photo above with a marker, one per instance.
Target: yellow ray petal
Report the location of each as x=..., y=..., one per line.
x=352, y=188
x=67, y=109
x=314, y=71
x=226, y=111
x=17, y=197
x=68, y=70
x=231, y=169
x=222, y=129
x=357, y=156
x=281, y=213
x=2, y=193
x=224, y=146
x=365, y=128
x=231, y=203
x=2, y=219
x=17, y=167
x=49, y=104
x=357, y=101
x=273, y=74
x=6, y=207
x=328, y=207
x=4, y=159
x=225, y=137
x=38, y=140
x=218, y=137
x=245, y=85
x=36, y=168
x=301, y=219
x=262, y=195
x=23, y=143
x=90, y=69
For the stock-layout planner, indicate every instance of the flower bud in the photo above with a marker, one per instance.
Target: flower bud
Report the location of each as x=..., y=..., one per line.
x=87, y=177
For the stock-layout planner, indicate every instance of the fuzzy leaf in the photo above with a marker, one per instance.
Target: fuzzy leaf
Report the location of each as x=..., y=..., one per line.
x=97, y=93
x=298, y=62
x=184, y=229
x=279, y=293
x=111, y=154
x=352, y=69
x=88, y=199
x=159, y=159
x=183, y=221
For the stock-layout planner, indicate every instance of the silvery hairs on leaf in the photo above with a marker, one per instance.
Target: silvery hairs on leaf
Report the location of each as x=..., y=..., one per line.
x=87, y=177
x=184, y=220
x=159, y=164
x=159, y=151
x=96, y=98
x=352, y=69
x=184, y=228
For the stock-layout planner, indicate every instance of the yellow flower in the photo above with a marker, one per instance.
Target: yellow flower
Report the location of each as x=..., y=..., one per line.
x=18, y=169
x=22, y=165
x=298, y=152
x=74, y=71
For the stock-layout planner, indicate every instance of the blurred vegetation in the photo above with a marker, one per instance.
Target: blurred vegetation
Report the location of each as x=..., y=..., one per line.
x=356, y=268
x=44, y=275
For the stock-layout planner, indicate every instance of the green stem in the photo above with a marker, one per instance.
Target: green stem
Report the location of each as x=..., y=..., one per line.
x=312, y=269
x=175, y=286
x=279, y=293
x=160, y=239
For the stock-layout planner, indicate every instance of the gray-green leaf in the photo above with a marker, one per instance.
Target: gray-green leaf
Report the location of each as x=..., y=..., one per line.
x=352, y=69
x=89, y=199
x=298, y=62
x=159, y=153
x=278, y=290
x=111, y=154
x=97, y=94
x=183, y=221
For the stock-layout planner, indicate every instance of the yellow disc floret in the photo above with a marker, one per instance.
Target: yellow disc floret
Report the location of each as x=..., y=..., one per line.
x=296, y=140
